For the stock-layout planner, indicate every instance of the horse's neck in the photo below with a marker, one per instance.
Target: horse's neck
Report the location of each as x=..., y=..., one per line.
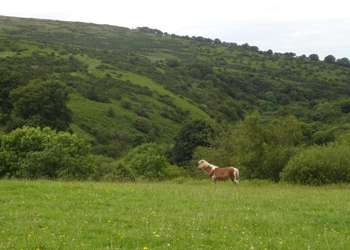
x=209, y=169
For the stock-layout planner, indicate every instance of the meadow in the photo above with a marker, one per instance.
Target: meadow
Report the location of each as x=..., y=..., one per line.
x=172, y=215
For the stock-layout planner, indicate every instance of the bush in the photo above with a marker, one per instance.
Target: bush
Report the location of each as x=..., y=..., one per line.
x=319, y=165
x=108, y=169
x=274, y=160
x=148, y=162
x=103, y=165
x=142, y=124
x=43, y=153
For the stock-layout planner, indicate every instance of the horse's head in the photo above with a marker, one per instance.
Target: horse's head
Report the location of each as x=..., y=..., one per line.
x=202, y=164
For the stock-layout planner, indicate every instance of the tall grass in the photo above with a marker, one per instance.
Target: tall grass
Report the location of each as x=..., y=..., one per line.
x=189, y=215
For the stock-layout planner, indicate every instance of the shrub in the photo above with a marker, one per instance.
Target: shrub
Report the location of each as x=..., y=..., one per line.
x=142, y=124
x=43, y=153
x=108, y=169
x=274, y=160
x=106, y=150
x=319, y=165
x=148, y=162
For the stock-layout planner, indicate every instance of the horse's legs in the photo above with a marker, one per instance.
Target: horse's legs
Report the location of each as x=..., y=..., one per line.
x=233, y=178
x=213, y=179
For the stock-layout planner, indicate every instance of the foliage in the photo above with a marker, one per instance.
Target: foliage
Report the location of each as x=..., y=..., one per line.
x=249, y=145
x=108, y=169
x=192, y=134
x=329, y=59
x=9, y=80
x=343, y=62
x=344, y=139
x=258, y=152
x=33, y=153
x=284, y=132
x=319, y=164
x=282, y=139
x=275, y=160
x=148, y=162
x=314, y=57
x=42, y=104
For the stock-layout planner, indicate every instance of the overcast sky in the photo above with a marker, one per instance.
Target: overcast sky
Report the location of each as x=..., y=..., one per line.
x=303, y=27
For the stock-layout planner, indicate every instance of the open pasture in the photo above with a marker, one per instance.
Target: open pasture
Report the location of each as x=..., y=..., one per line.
x=189, y=215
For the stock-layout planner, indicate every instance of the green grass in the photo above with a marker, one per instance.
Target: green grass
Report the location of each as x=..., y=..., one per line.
x=184, y=104
x=191, y=215
x=94, y=113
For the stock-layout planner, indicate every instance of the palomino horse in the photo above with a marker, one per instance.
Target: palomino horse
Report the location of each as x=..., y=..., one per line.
x=216, y=173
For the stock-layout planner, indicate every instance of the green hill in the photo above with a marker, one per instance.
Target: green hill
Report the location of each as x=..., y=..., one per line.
x=130, y=86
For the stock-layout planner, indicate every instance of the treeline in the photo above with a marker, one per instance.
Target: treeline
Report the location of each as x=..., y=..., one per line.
x=276, y=152
x=35, y=153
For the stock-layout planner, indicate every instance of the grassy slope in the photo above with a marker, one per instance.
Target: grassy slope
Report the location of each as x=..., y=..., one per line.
x=249, y=74
x=192, y=215
x=94, y=113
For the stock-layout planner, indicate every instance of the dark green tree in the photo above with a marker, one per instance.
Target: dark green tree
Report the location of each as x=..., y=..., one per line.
x=343, y=62
x=314, y=57
x=329, y=59
x=282, y=139
x=8, y=81
x=42, y=104
x=192, y=134
x=217, y=41
x=249, y=137
x=148, y=161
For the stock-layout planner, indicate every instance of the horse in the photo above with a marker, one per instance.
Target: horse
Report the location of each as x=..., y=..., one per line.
x=215, y=173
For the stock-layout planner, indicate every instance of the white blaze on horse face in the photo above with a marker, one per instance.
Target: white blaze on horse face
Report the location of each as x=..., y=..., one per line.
x=202, y=164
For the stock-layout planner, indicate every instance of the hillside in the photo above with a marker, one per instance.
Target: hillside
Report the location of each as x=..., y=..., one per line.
x=130, y=86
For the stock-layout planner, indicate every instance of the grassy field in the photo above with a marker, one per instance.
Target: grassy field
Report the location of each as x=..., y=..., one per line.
x=189, y=215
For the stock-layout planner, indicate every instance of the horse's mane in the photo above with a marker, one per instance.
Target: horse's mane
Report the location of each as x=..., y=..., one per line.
x=206, y=164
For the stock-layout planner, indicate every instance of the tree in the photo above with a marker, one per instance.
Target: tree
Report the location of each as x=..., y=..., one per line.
x=343, y=62
x=217, y=41
x=249, y=137
x=221, y=150
x=148, y=161
x=43, y=153
x=195, y=133
x=325, y=112
x=283, y=137
x=314, y=57
x=42, y=104
x=286, y=132
x=8, y=81
x=329, y=59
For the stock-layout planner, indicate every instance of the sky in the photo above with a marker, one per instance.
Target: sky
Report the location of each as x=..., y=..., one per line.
x=302, y=27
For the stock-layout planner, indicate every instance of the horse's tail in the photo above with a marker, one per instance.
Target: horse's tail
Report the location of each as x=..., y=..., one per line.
x=236, y=173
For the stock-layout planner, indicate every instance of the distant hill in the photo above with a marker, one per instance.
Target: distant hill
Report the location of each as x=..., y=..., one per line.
x=130, y=86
